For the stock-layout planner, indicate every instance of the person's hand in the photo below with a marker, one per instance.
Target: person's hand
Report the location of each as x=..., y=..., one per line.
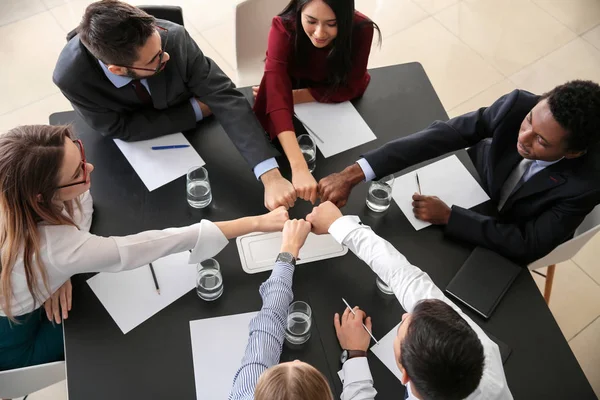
x=323, y=216
x=61, y=300
x=305, y=185
x=349, y=330
x=273, y=221
x=430, y=209
x=255, y=91
x=204, y=108
x=337, y=186
x=278, y=190
x=295, y=232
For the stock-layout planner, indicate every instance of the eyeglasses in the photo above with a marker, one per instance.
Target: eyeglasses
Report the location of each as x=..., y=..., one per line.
x=160, y=55
x=79, y=144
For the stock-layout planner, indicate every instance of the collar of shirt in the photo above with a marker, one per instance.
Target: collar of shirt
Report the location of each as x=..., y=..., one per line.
x=544, y=164
x=117, y=80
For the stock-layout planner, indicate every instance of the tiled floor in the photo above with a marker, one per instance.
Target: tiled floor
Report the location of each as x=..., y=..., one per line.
x=473, y=51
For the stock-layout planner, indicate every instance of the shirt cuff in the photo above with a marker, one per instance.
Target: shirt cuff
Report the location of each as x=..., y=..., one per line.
x=197, y=109
x=210, y=242
x=342, y=227
x=356, y=370
x=265, y=166
x=284, y=271
x=366, y=168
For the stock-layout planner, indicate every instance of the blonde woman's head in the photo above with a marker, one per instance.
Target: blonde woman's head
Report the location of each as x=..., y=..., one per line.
x=294, y=380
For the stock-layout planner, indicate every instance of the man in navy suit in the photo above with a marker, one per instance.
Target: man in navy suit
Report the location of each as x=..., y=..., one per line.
x=536, y=157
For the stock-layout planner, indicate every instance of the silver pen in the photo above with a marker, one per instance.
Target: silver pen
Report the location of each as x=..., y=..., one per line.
x=364, y=326
x=418, y=183
x=310, y=131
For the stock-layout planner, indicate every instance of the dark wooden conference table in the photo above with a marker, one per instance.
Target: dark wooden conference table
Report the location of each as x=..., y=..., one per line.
x=154, y=360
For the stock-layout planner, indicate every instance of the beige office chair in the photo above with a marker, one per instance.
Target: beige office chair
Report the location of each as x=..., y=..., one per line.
x=252, y=24
x=21, y=382
x=588, y=228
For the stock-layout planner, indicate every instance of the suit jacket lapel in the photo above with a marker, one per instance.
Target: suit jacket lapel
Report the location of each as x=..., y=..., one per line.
x=505, y=166
x=546, y=179
x=158, y=90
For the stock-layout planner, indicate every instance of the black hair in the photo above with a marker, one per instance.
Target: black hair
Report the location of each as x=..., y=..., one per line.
x=441, y=353
x=113, y=31
x=575, y=105
x=340, y=55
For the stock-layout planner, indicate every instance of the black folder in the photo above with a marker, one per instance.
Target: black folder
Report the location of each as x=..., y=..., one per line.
x=483, y=280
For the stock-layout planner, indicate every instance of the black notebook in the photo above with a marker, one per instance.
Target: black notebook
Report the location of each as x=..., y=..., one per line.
x=483, y=280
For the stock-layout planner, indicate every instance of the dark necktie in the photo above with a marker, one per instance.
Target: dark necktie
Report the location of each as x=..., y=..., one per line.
x=141, y=92
x=513, y=180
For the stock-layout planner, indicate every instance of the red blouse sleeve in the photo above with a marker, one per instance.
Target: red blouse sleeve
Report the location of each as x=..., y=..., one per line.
x=274, y=105
x=358, y=78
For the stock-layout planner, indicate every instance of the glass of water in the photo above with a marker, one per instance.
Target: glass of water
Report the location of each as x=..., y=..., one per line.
x=309, y=151
x=198, y=190
x=379, y=197
x=383, y=287
x=299, y=321
x=209, y=282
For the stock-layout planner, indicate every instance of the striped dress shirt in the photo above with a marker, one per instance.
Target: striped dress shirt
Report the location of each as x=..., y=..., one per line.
x=267, y=332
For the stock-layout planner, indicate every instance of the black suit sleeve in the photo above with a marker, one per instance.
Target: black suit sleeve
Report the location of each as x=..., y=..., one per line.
x=439, y=138
x=133, y=126
x=211, y=86
x=527, y=241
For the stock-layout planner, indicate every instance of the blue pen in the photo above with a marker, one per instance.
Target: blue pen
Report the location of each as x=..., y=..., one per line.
x=174, y=146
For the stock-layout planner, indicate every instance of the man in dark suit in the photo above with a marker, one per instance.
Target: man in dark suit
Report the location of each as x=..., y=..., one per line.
x=534, y=154
x=132, y=77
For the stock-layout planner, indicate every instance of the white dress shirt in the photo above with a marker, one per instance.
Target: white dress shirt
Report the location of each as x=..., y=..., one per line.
x=67, y=250
x=410, y=285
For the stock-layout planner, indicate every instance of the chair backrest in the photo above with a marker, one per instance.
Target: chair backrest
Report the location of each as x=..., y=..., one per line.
x=588, y=228
x=252, y=24
x=21, y=382
x=170, y=13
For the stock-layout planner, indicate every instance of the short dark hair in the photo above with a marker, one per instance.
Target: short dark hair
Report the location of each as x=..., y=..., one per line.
x=441, y=353
x=113, y=31
x=575, y=105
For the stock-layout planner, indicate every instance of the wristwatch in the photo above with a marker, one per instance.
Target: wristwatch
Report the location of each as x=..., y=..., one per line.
x=286, y=258
x=349, y=354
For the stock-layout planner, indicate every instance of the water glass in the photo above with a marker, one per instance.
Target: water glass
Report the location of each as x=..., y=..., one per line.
x=299, y=321
x=379, y=196
x=383, y=287
x=309, y=151
x=198, y=190
x=209, y=282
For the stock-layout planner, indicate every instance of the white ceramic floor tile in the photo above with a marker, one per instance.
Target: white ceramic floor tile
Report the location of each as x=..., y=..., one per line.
x=577, y=15
x=391, y=15
x=560, y=66
x=593, y=36
x=210, y=52
x=456, y=72
x=29, y=61
x=483, y=99
x=586, y=347
x=575, y=299
x=222, y=38
x=510, y=34
x=15, y=10
x=588, y=258
x=35, y=113
x=69, y=14
x=57, y=391
x=434, y=6
x=206, y=14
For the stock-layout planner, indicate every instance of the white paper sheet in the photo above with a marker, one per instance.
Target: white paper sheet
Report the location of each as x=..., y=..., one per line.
x=159, y=167
x=335, y=127
x=258, y=251
x=447, y=179
x=218, y=346
x=384, y=350
x=130, y=297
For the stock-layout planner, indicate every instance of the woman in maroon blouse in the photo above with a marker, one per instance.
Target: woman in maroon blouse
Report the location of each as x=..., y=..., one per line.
x=318, y=51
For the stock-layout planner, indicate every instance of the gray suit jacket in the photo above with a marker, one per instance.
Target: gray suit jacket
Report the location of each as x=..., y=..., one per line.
x=118, y=113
